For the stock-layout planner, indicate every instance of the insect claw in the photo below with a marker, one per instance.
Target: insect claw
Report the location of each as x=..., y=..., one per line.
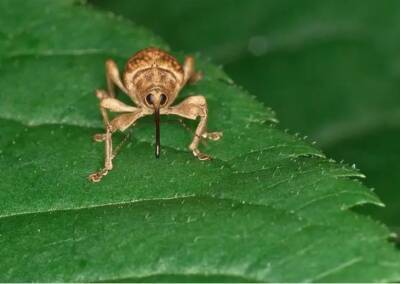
x=201, y=156
x=96, y=177
x=99, y=137
x=214, y=136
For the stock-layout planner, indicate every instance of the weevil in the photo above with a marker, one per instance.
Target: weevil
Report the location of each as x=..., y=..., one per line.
x=152, y=79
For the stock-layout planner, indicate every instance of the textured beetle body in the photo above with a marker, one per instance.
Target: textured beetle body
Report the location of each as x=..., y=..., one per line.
x=152, y=79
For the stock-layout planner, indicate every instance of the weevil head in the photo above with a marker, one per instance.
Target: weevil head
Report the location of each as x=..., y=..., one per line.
x=154, y=87
x=153, y=71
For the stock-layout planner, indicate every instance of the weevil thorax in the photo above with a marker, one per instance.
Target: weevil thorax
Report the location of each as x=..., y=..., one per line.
x=150, y=71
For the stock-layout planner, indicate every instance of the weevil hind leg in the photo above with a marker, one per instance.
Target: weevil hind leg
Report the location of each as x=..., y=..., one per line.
x=190, y=74
x=191, y=108
x=113, y=78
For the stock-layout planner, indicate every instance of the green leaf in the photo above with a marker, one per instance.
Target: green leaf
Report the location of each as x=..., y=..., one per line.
x=269, y=207
x=341, y=61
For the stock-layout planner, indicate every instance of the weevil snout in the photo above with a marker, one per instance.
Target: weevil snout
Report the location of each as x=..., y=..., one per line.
x=156, y=99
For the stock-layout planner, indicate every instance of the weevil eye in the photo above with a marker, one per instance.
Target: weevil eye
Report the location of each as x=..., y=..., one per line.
x=163, y=99
x=149, y=99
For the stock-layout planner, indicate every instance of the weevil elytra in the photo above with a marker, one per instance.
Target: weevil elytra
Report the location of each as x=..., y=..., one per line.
x=152, y=79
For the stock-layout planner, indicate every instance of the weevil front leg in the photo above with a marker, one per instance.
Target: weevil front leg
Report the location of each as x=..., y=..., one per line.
x=121, y=122
x=191, y=108
x=112, y=104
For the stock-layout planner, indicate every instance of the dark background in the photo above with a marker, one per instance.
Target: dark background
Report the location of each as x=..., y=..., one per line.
x=330, y=69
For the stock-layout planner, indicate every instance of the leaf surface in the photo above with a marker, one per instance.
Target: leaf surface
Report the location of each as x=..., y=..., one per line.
x=341, y=60
x=269, y=207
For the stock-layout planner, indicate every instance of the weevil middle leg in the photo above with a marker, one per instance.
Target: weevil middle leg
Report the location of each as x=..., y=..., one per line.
x=121, y=122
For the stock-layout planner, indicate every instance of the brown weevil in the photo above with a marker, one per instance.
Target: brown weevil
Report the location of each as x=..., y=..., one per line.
x=152, y=79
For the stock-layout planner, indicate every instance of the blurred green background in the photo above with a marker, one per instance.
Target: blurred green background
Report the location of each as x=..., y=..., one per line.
x=330, y=69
